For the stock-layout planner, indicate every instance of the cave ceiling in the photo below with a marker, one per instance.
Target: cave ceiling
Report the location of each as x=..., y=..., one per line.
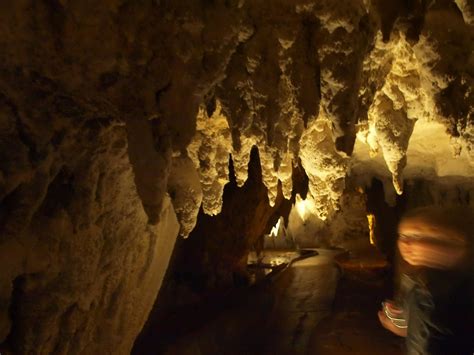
x=195, y=82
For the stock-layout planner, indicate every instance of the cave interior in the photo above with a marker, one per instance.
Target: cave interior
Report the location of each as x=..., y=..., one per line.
x=225, y=176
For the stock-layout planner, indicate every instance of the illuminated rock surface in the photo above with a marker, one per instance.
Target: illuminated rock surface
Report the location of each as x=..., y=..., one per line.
x=209, y=150
x=106, y=107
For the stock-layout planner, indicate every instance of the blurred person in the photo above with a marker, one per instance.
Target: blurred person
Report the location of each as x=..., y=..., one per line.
x=434, y=310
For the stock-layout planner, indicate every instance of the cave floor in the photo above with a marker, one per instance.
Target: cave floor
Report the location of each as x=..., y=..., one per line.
x=329, y=306
x=353, y=326
x=305, y=294
x=323, y=304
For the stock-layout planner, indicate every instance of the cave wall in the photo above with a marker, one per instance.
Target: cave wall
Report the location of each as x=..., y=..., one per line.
x=118, y=118
x=81, y=266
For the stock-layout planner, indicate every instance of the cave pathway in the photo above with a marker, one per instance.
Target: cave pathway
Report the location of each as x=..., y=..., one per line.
x=316, y=306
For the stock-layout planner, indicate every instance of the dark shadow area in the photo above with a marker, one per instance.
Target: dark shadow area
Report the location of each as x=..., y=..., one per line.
x=386, y=217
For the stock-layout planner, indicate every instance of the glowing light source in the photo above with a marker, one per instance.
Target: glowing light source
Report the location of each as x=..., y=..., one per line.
x=371, y=222
x=303, y=207
x=275, y=228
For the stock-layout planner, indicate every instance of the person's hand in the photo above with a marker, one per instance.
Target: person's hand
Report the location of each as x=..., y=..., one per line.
x=387, y=324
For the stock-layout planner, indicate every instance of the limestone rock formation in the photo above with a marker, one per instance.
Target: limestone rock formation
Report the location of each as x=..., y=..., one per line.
x=78, y=255
x=325, y=166
x=216, y=251
x=210, y=150
x=107, y=107
x=184, y=188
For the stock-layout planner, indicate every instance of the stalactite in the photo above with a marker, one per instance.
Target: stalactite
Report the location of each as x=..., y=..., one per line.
x=325, y=166
x=210, y=150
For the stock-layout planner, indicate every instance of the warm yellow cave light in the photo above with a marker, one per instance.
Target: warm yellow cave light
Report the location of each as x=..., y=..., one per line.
x=371, y=222
x=303, y=207
x=275, y=228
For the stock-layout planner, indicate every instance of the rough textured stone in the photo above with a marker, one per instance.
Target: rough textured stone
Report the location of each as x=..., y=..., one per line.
x=215, y=254
x=210, y=150
x=103, y=106
x=325, y=167
x=184, y=188
x=78, y=256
